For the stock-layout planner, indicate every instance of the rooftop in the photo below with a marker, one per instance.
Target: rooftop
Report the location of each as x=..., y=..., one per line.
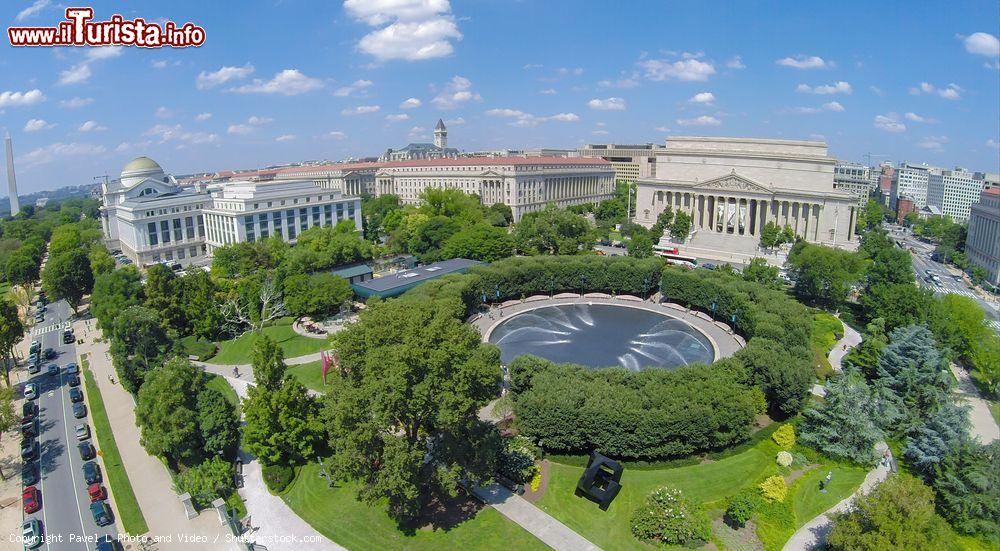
x=400, y=282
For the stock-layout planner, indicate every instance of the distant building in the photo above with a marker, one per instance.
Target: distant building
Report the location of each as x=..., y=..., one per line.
x=854, y=179
x=41, y=202
x=982, y=244
x=954, y=191
x=904, y=206
x=885, y=179
x=355, y=273
x=415, y=151
x=395, y=284
x=910, y=181
x=630, y=162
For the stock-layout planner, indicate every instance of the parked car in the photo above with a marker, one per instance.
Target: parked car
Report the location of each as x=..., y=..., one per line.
x=82, y=431
x=29, y=428
x=29, y=450
x=49, y=353
x=101, y=513
x=30, y=391
x=92, y=472
x=67, y=336
x=74, y=380
x=31, y=500
x=31, y=533
x=75, y=395
x=107, y=542
x=28, y=411
x=35, y=346
x=53, y=370
x=33, y=358
x=39, y=317
x=72, y=368
x=97, y=492
x=29, y=474
x=87, y=451
x=79, y=410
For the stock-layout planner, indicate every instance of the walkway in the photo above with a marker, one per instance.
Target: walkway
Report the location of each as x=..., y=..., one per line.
x=153, y=486
x=226, y=370
x=983, y=424
x=552, y=532
x=850, y=339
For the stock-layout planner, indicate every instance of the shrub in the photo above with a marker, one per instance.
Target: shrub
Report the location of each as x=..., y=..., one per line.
x=206, y=481
x=784, y=458
x=759, y=400
x=784, y=437
x=743, y=505
x=517, y=460
x=669, y=518
x=774, y=488
x=277, y=477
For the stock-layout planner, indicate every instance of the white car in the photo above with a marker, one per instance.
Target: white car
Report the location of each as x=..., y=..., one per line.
x=30, y=391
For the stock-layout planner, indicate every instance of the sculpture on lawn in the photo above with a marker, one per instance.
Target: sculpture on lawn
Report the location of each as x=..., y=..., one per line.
x=601, y=481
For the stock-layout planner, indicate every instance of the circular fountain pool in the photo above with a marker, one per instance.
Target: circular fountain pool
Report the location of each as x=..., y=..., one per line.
x=602, y=335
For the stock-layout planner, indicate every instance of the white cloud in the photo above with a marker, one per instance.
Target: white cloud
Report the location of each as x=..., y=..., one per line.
x=982, y=44
x=876, y=90
x=736, y=62
x=457, y=92
x=833, y=106
x=609, y=104
x=839, y=87
x=104, y=52
x=548, y=92
x=624, y=83
x=529, y=66
x=32, y=10
x=163, y=113
x=686, y=69
x=73, y=103
x=176, y=133
x=522, y=119
x=356, y=86
x=455, y=122
x=91, y=126
x=159, y=64
x=563, y=117
x=418, y=132
x=208, y=80
x=336, y=135
x=21, y=99
x=702, y=97
x=933, y=143
x=565, y=71
x=917, y=118
x=239, y=129
x=34, y=125
x=950, y=92
x=662, y=129
x=58, y=151
x=993, y=144
x=704, y=120
x=133, y=146
x=203, y=117
x=804, y=62
x=599, y=132
x=285, y=138
x=397, y=117
x=289, y=82
x=75, y=74
x=410, y=29
x=361, y=110
x=889, y=123
x=254, y=120
x=410, y=103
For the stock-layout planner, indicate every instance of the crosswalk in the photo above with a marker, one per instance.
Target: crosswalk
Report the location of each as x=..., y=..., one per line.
x=969, y=294
x=46, y=329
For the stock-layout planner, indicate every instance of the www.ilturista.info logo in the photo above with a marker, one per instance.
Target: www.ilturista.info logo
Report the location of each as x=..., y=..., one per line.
x=80, y=30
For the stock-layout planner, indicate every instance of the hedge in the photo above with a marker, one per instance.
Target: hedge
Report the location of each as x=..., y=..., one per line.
x=277, y=477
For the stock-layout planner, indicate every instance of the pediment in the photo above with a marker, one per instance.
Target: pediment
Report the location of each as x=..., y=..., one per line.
x=490, y=174
x=150, y=187
x=734, y=182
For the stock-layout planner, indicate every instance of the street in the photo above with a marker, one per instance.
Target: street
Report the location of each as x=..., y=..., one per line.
x=65, y=512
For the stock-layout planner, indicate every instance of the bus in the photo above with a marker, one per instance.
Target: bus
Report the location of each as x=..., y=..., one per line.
x=673, y=256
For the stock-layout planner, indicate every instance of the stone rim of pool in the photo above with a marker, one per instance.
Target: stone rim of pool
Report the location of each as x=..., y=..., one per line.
x=642, y=338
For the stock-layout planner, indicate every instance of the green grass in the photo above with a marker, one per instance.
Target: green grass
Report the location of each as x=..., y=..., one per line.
x=130, y=519
x=237, y=351
x=994, y=410
x=199, y=348
x=336, y=514
x=220, y=384
x=826, y=331
x=309, y=374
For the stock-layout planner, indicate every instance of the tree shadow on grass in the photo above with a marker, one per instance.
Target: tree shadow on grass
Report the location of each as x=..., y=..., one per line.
x=443, y=513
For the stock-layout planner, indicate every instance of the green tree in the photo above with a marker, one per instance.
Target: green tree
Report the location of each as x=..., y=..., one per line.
x=823, y=275
x=283, y=426
x=218, y=422
x=942, y=430
x=759, y=271
x=268, y=362
x=913, y=369
x=139, y=343
x=640, y=246
x=552, y=231
x=68, y=276
x=787, y=235
x=163, y=294
x=897, y=514
x=22, y=267
x=11, y=333
x=114, y=292
x=872, y=214
x=374, y=210
x=449, y=374
x=318, y=295
x=986, y=357
x=681, y=226
x=784, y=378
x=769, y=235
x=101, y=261
x=479, y=242
x=847, y=423
x=898, y=305
x=967, y=483
x=8, y=416
x=500, y=215
x=200, y=304
x=431, y=235
x=206, y=481
x=166, y=412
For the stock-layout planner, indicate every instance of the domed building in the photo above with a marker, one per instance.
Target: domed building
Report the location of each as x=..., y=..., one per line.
x=149, y=217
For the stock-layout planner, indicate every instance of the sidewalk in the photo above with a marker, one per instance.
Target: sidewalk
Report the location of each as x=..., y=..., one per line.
x=226, y=370
x=153, y=486
x=851, y=339
x=983, y=424
x=544, y=527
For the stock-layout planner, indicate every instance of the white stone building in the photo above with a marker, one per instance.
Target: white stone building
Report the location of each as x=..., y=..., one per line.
x=732, y=187
x=982, y=244
x=910, y=181
x=855, y=179
x=954, y=192
x=630, y=162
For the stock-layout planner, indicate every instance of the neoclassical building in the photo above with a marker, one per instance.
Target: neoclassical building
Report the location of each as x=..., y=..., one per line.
x=734, y=186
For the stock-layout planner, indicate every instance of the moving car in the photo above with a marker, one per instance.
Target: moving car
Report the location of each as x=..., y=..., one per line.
x=30, y=391
x=31, y=533
x=79, y=410
x=53, y=370
x=31, y=499
x=92, y=472
x=75, y=395
x=101, y=512
x=97, y=493
x=49, y=353
x=82, y=431
x=87, y=451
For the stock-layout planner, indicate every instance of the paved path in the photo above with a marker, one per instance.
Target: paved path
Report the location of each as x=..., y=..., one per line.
x=983, y=424
x=851, y=339
x=226, y=370
x=151, y=482
x=552, y=532
x=813, y=534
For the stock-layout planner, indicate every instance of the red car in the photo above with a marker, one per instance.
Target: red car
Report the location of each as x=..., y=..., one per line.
x=32, y=499
x=97, y=493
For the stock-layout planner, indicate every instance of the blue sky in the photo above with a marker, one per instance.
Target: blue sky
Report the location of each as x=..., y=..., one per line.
x=288, y=80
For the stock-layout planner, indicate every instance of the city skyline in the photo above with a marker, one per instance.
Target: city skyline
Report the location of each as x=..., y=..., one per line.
x=352, y=79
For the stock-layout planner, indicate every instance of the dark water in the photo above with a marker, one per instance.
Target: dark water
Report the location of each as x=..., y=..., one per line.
x=602, y=335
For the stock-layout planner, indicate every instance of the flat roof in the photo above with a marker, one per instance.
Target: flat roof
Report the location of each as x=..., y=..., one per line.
x=354, y=270
x=397, y=283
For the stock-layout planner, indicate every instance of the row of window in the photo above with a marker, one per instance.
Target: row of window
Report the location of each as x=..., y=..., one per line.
x=179, y=229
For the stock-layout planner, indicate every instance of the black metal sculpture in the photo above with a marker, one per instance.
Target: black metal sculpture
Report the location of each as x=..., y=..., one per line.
x=601, y=481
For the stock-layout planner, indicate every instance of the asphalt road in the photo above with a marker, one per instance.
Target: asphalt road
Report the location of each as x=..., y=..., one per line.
x=65, y=512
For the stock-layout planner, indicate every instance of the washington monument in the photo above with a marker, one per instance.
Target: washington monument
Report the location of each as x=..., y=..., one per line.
x=11, y=180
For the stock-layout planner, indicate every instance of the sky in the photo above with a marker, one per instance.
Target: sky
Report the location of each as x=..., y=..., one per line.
x=280, y=81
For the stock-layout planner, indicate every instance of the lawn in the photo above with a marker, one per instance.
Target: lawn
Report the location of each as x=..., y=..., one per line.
x=309, y=374
x=336, y=514
x=131, y=519
x=219, y=383
x=826, y=331
x=237, y=351
x=199, y=348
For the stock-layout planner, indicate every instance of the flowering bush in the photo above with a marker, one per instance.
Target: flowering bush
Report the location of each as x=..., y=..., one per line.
x=784, y=458
x=784, y=436
x=517, y=460
x=668, y=517
x=536, y=481
x=774, y=489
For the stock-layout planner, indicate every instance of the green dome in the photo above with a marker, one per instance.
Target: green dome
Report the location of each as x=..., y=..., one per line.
x=141, y=164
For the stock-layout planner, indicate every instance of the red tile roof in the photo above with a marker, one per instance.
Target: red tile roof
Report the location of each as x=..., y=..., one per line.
x=992, y=191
